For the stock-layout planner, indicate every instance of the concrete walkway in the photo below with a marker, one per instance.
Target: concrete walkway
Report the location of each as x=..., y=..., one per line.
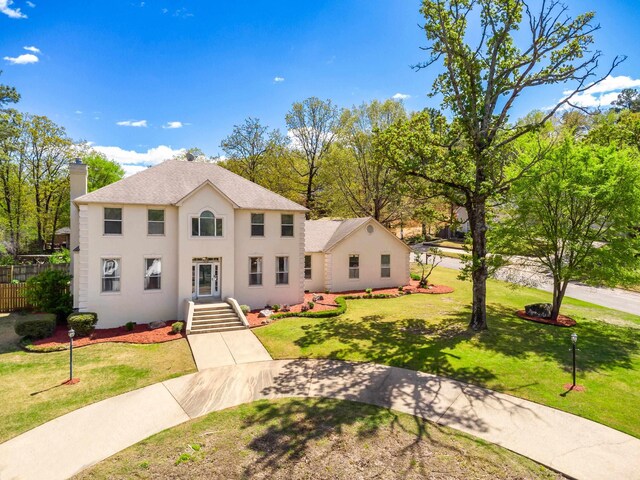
x=212, y=350
x=572, y=445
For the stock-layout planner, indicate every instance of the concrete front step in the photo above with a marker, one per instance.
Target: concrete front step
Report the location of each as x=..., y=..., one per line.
x=215, y=317
x=217, y=314
x=220, y=323
x=218, y=329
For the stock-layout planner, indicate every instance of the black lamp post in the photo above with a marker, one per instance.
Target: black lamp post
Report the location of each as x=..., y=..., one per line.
x=72, y=333
x=574, y=340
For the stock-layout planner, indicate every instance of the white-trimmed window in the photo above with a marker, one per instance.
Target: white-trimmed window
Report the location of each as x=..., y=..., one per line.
x=112, y=221
x=282, y=270
x=354, y=266
x=307, y=267
x=110, y=274
x=152, y=273
x=206, y=225
x=155, y=222
x=286, y=225
x=385, y=265
x=257, y=224
x=255, y=271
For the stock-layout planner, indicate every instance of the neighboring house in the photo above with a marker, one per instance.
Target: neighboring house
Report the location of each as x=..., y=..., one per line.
x=180, y=231
x=353, y=254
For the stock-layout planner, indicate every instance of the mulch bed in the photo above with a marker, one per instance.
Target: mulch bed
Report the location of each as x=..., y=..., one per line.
x=563, y=321
x=329, y=301
x=140, y=334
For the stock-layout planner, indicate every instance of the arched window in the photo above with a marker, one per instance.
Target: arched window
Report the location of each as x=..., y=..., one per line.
x=206, y=225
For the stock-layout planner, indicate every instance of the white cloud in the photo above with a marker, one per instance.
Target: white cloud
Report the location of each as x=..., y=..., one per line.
x=278, y=79
x=174, y=125
x=132, y=123
x=165, y=10
x=5, y=7
x=133, y=162
x=32, y=49
x=23, y=59
x=401, y=96
x=31, y=4
x=605, y=92
x=78, y=112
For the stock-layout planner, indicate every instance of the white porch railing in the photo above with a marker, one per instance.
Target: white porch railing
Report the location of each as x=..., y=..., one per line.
x=236, y=308
x=188, y=314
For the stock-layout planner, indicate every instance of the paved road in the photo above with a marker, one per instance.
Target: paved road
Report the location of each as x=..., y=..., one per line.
x=572, y=445
x=616, y=298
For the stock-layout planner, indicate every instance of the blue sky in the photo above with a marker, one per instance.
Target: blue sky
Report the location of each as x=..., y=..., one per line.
x=99, y=68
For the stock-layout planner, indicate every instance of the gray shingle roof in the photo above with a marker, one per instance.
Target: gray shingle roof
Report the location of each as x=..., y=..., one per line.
x=171, y=181
x=321, y=235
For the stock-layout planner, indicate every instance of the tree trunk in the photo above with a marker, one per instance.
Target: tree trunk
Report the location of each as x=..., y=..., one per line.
x=480, y=272
x=559, y=289
x=424, y=230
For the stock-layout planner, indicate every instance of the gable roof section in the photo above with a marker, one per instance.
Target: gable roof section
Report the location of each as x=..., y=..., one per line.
x=171, y=181
x=323, y=235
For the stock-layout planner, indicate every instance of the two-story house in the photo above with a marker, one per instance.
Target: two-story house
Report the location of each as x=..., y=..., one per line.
x=181, y=231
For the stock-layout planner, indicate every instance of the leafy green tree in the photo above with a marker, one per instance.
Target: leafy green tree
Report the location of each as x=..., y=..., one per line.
x=357, y=177
x=8, y=95
x=520, y=46
x=249, y=147
x=49, y=292
x=47, y=154
x=313, y=125
x=628, y=99
x=576, y=213
x=101, y=170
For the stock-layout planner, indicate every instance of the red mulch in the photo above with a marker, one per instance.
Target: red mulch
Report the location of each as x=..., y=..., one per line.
x=329, y=302
x=140, y=334
x=562, y=321
x=574, y=388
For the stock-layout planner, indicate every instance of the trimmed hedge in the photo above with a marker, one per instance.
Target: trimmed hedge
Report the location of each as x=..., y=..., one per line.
x=35, y=326
x=342, y=307
x=84, y=323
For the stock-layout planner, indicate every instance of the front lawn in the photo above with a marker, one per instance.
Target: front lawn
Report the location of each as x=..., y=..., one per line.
x=314, y=439
x=30, y=383
x=526, y=359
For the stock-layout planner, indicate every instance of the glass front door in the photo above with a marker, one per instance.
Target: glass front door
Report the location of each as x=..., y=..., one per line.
x=206, y=279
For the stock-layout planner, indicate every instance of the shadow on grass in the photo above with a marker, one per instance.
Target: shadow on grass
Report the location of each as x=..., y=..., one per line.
x=420, y=344
x=600, y=346
x=294, y=426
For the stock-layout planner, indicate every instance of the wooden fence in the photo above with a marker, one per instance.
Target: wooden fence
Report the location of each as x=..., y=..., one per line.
x=12, y=297
x=22, y=273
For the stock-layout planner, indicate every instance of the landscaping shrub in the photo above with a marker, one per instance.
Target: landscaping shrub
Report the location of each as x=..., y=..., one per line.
x=245, y=309
x=84, y=323
x=342, y=307
x=177, y=327
x=63, y=256
x=401, y=289
x=311, y=305
x=415, y=276
x=49, y=292
x=276, y=307
x=130, y=326
x=368, y=291
x=36, y=326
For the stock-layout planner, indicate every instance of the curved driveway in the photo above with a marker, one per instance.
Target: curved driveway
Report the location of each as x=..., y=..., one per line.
x=572, y=445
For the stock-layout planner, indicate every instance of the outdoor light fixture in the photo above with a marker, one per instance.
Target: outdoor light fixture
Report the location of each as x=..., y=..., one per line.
x=574, y=340
x=72, y=333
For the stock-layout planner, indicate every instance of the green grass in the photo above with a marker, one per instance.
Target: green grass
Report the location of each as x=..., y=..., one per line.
x=526, y=359
x=30, y=383
x=313, y=439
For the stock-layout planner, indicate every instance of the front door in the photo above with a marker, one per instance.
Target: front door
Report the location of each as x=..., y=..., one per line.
x=206, y=279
